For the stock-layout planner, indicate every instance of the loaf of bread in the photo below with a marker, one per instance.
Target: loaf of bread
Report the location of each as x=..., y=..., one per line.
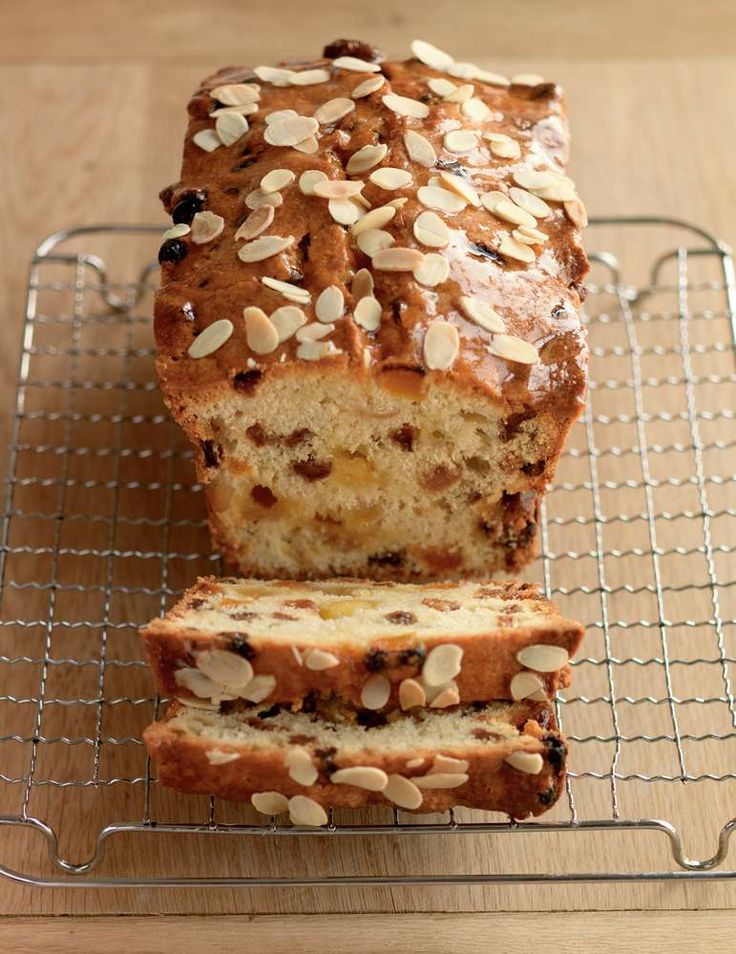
x=373, y=646
x=369, y=315
x=501, y=757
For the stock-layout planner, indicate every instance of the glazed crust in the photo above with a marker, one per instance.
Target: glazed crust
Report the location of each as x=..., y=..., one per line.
x=492, y=785
x=489, y=661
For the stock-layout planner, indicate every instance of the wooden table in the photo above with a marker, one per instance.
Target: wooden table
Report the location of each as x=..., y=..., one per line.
x=92, y=98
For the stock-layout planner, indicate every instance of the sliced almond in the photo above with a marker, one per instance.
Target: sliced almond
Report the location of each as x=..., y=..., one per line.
x=333, y=110
x=264, y=247
x=207, y=139
x=529, y=202
x=287, y=320
x=368, y=86
x=460, y=94
x=404, y=106
x=390, y=178
x=411, y=694
x=345, y=211
x=419, y=149
x=355, y=64
x=230, y=127
x=513, y=249
x=460, y=141
x=277, y=115
x=526, y=685
x=290, y=130
x=375, y=219
x=375, y=693
x=373, y=241
x=313, y=350
x=309, y=179
x=402, y=792
x=258, y=221
x=527, y=79
x=441, y=347
x=508, y=211
x=543, y=657
x=361, y=776
x=397, y=259
x=206, y=226
x=434, y=270
x=442, y=663
x=435, y=197
x=531, y=763
x=489, y=200
x=540, y=180
x=319, y=659
x=367, y=313
x=229, y=669
x=475, y=110
x=441, y=780
x=196, y=682
x=431, y=55
x=236, y=94
x=258, y=689
x=429, y=229
x=275, y=75
x=269, y=803
x=309, y=77
x=314, y=331
x=529, y=236
x=337, y=188
x=415, y=763
x=211, y=338
x=305, y=811
x=506, y=150
x=448, y=697
x=576, y=213
x=516, y=349
x=260, y=332
x=289, y=291
x=177, y=231
x=308, y=145
x=276, y=180
x=330, y=304
x=246, y=110
x=297, y=656
x=300, y=766
x=461, y=186
x=362, y=284
x=258, y=199
x=446, y=763
x=399, y=203
x=366, y=158
x=482, y=314
x=441, y=86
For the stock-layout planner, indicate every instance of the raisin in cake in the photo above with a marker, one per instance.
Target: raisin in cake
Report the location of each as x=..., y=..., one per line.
x=373, y=646
x=369, y=315
x=500, y=757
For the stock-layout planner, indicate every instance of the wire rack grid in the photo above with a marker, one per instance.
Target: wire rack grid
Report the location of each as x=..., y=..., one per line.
x=103, y=525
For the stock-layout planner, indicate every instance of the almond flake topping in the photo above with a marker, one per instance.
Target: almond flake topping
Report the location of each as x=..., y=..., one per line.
x=543, y=657
x=441, y=347
x=309, y=179
x=230, y=127
x=374, y=219
x=211, y=338
x=510, y=212
x=177, y=231
x=309, y=77
x=430, y=229
x=460, y=94
x=330, y=304
x=531, y=763
x=431, y=55
x=513, y=249
x=362, y=284
x=224, y=667
x=529, y=236
x=475, y=110
x=490, y=200
x=305, y=811
x=366, y=158
x=290, y=130
x=546, y=184
x=399, y=203
x=278, y=114
x=318, y=659
x=530, y=203
x=260, y=332
x=441, y=86
x=576, y=213
x=308, y=145
x=362, y=776
x=419, y=149
x=367, y=313
x=471, y=71
x=397, y=259
x=345, y=211
x=482, y=314
x=368, y=86
x=461, y=186
x=276, y=180
x=300, y=766
x=459, y=141
x=257, y=199
x=287, y=320
x=258, y=221
x=247, y=109
x=526, y=685
x=527, y=79
x=435, y=197
x=236, y=94
x=506, y=150
x=207, y=139
x=404, y=106
x=269, y=803
x=446, y=763
x=314, y=332
x=375, y=692
x=355, y=64
x=390, y=178
x=402, y=792
x=516, y=349
x=206, y=226
x=443, y=662
x=440, y=780
x=337, y=188
x=333, y=110
x=264, y=247
x=274, y=75
x=373, y=241
x=434, y=270
x=411, y=694
x=447, y=697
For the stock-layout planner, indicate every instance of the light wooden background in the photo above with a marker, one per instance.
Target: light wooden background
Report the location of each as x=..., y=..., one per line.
x=92, y=97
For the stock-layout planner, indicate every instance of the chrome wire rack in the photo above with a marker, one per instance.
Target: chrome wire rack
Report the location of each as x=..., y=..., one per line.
x=103, y=525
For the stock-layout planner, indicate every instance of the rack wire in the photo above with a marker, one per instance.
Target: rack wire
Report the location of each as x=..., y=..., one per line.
x=103, y=525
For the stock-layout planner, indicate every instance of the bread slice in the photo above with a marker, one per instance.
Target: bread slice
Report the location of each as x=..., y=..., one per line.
x=504, y=757
x=373, y=645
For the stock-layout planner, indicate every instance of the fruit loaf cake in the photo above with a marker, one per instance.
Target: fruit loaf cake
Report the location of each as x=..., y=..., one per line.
x=374, y=646
x=369, y=315
x=504, y=757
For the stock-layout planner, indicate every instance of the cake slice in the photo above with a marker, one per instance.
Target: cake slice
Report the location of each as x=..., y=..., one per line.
x=503, y=757
x=375, y=646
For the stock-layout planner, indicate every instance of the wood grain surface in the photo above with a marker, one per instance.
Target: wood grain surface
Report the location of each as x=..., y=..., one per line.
x=93, y=101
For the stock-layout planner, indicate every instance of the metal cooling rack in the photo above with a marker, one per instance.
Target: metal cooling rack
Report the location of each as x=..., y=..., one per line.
x=103, y=525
